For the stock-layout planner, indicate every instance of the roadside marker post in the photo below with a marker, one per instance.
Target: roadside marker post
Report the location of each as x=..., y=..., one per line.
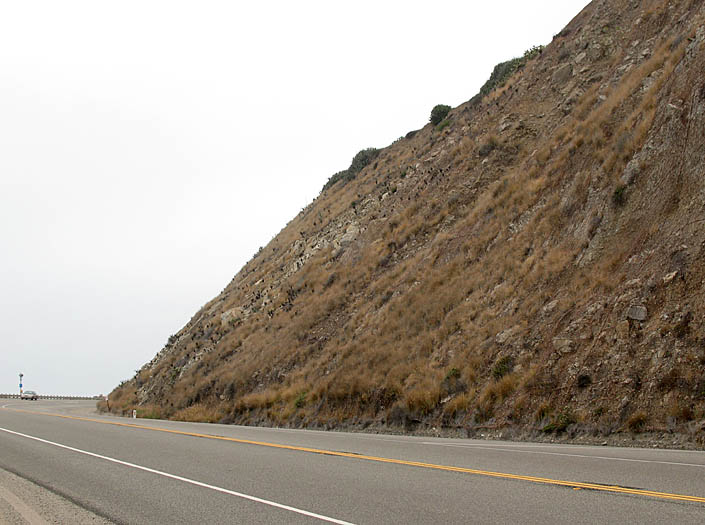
x=134, y=414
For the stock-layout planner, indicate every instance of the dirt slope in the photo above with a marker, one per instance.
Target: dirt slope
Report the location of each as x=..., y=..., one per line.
x=534, y=262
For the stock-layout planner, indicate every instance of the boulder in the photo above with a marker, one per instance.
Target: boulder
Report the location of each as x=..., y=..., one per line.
x=630, y=172
x=350, y=234
x=563, y=345
x=506, y=335
x=563, y=74
x=669, y=277
x=637, y=313
x=550, y=306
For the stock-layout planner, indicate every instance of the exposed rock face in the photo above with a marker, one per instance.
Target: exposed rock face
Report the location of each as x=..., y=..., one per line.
x=637, y=313
x=541, y=255
x=563, y=74
x=630, y=172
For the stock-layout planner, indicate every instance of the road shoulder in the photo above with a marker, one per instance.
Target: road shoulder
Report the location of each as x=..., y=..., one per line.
x=22, y=501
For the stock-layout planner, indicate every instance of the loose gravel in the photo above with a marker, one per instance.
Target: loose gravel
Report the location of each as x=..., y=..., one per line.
x=22, y=502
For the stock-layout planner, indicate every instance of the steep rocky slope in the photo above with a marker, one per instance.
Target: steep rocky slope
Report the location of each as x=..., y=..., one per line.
x=532, y=262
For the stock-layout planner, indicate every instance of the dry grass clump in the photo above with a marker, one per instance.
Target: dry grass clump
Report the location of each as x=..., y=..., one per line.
x=198, y=413
x=458, y=405
x=122, y=400
x=150, y=412
x=423, y=399
x=254, y=400
x=680, y=411
x=503, y=388
x=493, y=393
x=543, y=412
x=637, y=422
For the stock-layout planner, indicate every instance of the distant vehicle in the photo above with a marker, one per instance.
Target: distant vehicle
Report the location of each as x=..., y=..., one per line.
x=29, y=394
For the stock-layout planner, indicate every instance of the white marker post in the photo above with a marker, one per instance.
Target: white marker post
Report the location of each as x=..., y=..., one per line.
x=134, y=414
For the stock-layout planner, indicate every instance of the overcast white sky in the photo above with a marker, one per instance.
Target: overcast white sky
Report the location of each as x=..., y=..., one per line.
x=149, y=148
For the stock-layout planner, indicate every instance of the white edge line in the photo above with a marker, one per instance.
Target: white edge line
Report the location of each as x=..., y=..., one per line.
x=186, y=480
x=502, y=449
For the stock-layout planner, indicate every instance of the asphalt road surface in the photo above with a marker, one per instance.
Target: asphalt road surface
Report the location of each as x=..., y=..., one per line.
x=151, y=471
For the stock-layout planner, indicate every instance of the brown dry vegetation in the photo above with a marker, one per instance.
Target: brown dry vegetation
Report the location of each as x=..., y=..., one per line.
x=479, y=276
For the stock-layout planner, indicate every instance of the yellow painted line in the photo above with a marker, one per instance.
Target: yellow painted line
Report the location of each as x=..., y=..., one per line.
x=577, y=485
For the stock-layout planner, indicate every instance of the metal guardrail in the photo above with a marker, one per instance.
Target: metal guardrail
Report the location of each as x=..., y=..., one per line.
x=17, y=396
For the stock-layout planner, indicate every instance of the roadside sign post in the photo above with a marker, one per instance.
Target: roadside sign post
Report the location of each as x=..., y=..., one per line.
x=21, y=376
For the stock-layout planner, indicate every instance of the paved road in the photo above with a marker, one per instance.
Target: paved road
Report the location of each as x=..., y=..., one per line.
x=147, y=471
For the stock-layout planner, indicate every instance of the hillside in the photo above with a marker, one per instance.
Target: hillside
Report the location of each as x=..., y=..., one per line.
x=531, y=263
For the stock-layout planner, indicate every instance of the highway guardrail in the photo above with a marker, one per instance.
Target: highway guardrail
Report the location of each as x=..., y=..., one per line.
x=17, y=396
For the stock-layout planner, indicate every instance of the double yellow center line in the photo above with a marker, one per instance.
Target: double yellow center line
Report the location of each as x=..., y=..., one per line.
x=501, y=475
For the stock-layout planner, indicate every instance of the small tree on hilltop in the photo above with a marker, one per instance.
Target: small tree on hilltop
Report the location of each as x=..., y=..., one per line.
x=438, y=113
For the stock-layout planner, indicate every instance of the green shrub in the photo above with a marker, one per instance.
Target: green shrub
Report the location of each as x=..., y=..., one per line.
x=584, y=381
x=502, y=367
x=300, y=400
x=453, y=373
x=443, y=125
x=500, y=74
x=359, y=161
x=504, y=70
x=560, y=423
x=174, y=375
x=619, y=196
x=438, y=113
x=533, y=52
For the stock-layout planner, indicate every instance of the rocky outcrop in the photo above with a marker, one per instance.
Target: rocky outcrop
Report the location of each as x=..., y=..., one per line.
x=538, y=258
